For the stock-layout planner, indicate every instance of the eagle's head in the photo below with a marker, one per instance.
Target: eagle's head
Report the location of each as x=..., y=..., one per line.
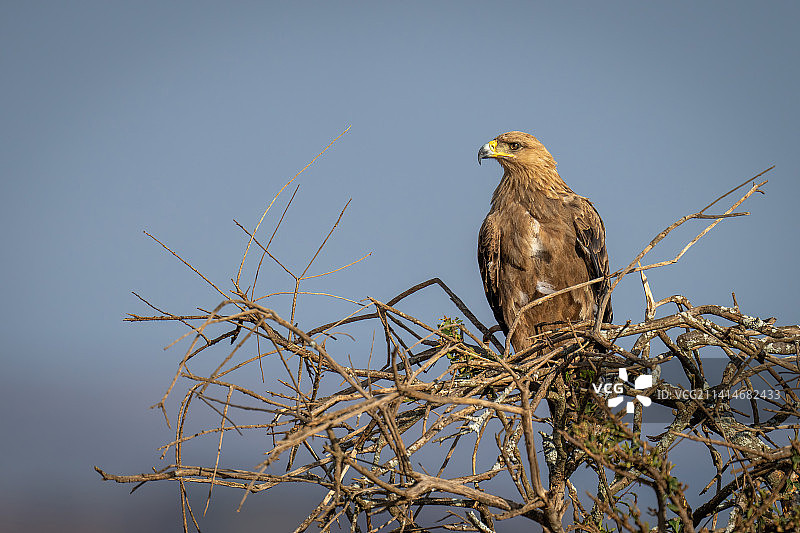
x=517, y=149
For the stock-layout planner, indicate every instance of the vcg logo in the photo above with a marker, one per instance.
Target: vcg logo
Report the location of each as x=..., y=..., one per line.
x=642, y=382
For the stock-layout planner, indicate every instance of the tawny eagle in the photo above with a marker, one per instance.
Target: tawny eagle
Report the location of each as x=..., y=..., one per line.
x=539, y=237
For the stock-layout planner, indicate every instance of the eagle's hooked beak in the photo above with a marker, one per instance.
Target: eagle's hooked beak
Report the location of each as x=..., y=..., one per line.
x=490, y=150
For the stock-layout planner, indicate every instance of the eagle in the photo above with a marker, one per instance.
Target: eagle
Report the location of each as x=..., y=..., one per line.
x=539, y=237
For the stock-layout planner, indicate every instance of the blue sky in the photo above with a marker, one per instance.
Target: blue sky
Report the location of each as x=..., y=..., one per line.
x=177, y=118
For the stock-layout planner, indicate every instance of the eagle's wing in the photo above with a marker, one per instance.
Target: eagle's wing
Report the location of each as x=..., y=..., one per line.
x=591, y=246
x=489, y=265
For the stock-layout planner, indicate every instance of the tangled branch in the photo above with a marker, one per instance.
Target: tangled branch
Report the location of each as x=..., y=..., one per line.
x=448, y=429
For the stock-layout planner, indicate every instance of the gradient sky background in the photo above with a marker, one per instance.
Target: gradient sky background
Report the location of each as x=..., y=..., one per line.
x=178, y=117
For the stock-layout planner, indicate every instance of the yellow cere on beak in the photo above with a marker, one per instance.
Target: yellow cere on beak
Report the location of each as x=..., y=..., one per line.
x=490, y=150
x=493, y=144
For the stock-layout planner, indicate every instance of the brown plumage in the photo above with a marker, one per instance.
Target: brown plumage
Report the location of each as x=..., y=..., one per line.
x=539, y=237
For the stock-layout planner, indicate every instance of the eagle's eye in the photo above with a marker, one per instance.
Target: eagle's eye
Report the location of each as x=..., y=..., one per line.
x=515, y=146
